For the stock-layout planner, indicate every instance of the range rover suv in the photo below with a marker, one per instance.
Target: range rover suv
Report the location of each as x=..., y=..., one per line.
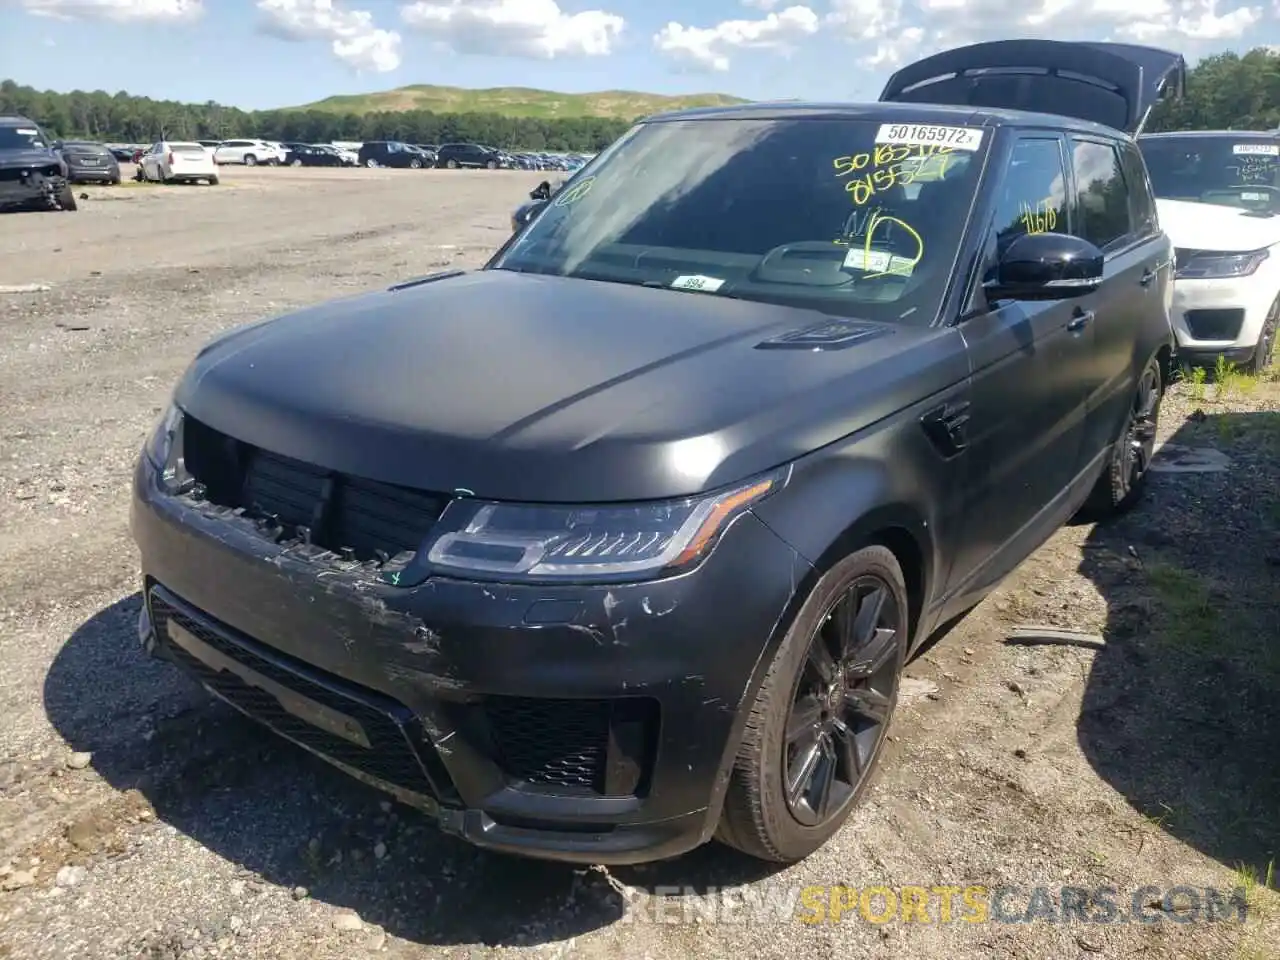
x=620, y=543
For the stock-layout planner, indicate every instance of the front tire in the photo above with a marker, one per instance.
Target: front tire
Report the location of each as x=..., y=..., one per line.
x=1125, y=478
x=250, y=160
x=821, y=715
x=213, y=181
x=415, y=164
x=452, y=164
x=492, y=164
x=1264, y=351
x=67, y=199
x=371, y=163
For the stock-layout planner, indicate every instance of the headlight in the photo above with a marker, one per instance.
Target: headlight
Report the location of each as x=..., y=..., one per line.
x=1213, y=264
x=600, y=542
x=164, y=449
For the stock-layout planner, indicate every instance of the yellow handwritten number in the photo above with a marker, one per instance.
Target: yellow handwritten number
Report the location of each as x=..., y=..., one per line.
x=576, y=192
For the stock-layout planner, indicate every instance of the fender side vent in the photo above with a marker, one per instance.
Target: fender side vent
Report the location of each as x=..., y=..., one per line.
x=430, y=278
x=828, y=335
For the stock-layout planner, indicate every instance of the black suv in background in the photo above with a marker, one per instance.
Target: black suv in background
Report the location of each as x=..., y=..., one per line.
x=455, y=155
x=391, y=153
x=31, y=172
x=627, y=545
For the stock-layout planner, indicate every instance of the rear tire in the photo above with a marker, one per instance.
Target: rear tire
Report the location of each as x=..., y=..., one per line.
x=213, y=181
x=820, y=718
x=295, y=162
x=452, y=164
x=371, y=163
x=415, y=164
x=492, y=164
x=1124, y=479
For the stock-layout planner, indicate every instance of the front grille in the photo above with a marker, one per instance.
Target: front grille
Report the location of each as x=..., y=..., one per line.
x=1214, y=324
x=398, y=752
x=362, y=519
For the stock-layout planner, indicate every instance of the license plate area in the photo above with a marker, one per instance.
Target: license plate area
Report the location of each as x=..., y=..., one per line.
x=309, y=711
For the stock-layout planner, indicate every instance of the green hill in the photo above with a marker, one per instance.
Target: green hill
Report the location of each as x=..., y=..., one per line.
x=517, y=102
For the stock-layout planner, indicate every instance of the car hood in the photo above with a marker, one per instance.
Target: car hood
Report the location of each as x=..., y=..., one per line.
x=1211, y=226
x=27, y=158
x=523, y=387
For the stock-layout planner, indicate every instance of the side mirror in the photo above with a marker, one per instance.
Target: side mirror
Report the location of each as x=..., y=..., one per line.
x=520, y=219
x=541, y=192
x=1046, y=266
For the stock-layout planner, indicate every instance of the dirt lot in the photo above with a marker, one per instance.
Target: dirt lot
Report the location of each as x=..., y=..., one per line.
x=138, y=819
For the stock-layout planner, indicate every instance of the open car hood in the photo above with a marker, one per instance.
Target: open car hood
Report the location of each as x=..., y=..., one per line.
x=1115, y=84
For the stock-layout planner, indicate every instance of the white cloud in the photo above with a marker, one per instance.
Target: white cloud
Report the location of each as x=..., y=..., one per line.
x=708, y=48
x=352, y=35
x=889, y=33
x=522, y=28
x=119, y=11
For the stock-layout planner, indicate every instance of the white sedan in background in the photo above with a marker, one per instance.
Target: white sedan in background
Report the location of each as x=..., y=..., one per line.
x=173, y=162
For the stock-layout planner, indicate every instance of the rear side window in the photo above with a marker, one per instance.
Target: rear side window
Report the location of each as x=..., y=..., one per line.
x=1142, y=202
x=1102, y=196
x=1032, y=195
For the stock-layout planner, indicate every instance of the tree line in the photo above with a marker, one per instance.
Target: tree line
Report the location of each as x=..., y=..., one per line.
x=123, y=118
x=1224, y=91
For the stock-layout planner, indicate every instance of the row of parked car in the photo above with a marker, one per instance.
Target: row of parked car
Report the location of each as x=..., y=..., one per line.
x=372, y=153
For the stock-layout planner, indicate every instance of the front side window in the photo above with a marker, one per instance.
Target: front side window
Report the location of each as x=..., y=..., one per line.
x=1031, y=194
x=847, y=215
x=1102, y=196
x=1240, y=170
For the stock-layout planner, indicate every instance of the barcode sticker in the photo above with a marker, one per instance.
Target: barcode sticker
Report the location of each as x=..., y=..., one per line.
x=697, y=282
x=923, y=135
x=1256, y=149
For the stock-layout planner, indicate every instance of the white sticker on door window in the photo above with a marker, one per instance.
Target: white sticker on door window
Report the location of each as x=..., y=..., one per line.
x=697, y=282
x=1256, y=149
x=925, y=135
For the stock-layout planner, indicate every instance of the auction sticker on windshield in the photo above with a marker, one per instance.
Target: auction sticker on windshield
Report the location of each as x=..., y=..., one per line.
x=1256, y=149
x=697, y=282
x=923, y=135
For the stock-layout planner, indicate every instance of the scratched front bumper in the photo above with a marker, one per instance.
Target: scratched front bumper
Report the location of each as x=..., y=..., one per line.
x=676, y=656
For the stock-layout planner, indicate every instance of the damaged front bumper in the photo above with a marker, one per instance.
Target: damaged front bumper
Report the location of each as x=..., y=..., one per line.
x=20, y=186
x=592, y=724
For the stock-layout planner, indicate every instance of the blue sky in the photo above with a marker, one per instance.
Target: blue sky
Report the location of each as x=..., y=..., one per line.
x=266, y=53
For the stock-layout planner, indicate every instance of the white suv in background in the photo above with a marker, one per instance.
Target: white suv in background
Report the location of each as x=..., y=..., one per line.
x=249, y=152
x=1218, y=199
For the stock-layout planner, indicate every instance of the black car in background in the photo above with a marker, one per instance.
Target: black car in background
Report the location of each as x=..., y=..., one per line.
x=391, y=153
x=312, y=155
x=88, y=162
x=456, y=155
x=31, y=172
x=621, y=542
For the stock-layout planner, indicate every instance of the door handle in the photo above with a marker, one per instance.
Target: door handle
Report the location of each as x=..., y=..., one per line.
x=1147, y=276
x=1079, y=320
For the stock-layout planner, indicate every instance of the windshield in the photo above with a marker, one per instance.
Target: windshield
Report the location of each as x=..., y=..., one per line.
x=22, y=138
x=846, y=215
x=1236, y=170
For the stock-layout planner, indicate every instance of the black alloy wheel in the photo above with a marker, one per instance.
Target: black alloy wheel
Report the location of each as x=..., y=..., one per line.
x=819, y=721
x=1140, y=439
x=843, y=698
x=1125, y=478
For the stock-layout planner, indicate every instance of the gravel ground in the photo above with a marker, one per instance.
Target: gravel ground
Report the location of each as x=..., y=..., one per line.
x=139, y=819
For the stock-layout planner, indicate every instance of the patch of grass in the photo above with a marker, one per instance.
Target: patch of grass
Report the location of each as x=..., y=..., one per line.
x=1196, y=379
x=1260, y=888
x=1190, y=621
x=517, y=102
